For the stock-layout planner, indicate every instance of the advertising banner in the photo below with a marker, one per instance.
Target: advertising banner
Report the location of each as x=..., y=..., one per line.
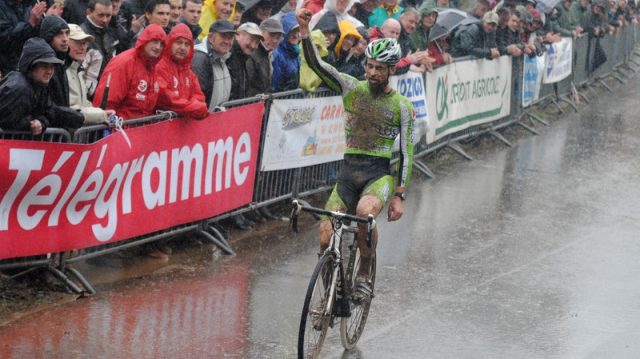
x=532, y=79
x=411, y=86
x=558, y=61
x=467, y=93
x=56, y=197
x=303, y=132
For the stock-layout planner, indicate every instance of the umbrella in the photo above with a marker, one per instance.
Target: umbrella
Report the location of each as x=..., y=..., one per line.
x=448, y=20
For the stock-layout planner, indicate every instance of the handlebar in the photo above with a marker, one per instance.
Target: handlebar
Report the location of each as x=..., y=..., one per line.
x=339, y=216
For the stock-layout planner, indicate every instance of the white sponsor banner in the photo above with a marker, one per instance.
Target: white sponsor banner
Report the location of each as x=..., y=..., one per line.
x=466, y=94
x=411, y=86
x=532, y=79
x=304, y=132
x=558, y=63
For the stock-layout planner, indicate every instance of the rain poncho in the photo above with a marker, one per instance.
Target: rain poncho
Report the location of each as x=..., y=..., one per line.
x=179, y=87
x=134, y=88
x=330, y=5
x=309, y=81
x=209, y=16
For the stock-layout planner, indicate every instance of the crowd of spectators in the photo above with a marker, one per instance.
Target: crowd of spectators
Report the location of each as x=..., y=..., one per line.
x=133, y=50
x=70, y=63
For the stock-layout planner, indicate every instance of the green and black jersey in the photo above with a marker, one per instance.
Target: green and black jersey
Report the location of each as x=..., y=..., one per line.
x=372, y=122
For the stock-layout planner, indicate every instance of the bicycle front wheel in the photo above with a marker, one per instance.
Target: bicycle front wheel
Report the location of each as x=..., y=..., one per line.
x=351, y=327
x=317, y=311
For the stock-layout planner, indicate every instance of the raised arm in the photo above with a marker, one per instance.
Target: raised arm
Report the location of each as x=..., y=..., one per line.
x=336, y=80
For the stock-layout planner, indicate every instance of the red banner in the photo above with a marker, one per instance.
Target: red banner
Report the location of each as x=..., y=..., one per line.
x=57, y=197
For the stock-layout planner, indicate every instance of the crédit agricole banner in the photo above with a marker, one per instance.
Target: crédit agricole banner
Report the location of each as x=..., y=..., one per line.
x=466, y=94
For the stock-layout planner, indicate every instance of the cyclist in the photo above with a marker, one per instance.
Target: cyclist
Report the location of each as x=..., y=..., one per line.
x=375, y=115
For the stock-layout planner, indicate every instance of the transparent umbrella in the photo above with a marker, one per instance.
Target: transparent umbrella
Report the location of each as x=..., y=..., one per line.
x=448, y=20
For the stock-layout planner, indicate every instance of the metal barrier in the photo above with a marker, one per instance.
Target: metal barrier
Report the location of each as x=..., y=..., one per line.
x=91, y=134
x=274, y=186
x=58, y=135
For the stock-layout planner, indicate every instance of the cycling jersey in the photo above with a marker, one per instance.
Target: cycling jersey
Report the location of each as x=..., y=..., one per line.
x=372, y=122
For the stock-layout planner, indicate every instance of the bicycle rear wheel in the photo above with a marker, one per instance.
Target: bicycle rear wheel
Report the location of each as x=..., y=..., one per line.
x=351, y=327
x=317, y=313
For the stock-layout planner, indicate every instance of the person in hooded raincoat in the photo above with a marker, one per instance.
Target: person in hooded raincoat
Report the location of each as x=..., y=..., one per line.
x=214, y=10
x=341, y=54
x=286, y=58
x=25, y=104
x=341, y=9
x=133, y=83
x=309, y=80
x=179, y=86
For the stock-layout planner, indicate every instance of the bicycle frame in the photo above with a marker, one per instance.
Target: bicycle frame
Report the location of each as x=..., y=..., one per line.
x=335, y=245
x=335, y=298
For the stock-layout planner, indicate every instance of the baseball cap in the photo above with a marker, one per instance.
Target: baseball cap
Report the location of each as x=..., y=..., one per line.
x=272, y=25
x=47, y=60
x=76, y=33
x=222, y=26
x=490, y=17
x=251, y=29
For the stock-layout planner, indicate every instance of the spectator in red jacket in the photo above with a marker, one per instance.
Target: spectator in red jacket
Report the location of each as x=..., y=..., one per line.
x=133, y=86
x=179, y=87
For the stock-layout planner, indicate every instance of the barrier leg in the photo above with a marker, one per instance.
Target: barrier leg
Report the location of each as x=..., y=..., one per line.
x=457, y=149
x=500, y=137
x=568, y=101
x=519, y=123
x=616, y=76
x=64, y=279
x=591, y=90
x=633, y=61
x=80, y=278
x=422, y=168
x=211, y=234
x=603, y=84
x=533, y=117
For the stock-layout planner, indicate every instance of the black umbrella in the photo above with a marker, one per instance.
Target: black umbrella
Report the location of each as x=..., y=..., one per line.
x=448, y=20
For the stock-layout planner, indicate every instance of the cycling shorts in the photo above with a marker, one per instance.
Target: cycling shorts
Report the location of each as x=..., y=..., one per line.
x=360, y=175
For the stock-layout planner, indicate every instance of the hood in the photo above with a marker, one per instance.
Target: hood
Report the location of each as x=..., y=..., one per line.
x=603, y=4
x=330, y=6
x=427, y=8
x=328, y=23
x=35, y=48
x=150, y=33
x=178, y=31
x=317, y=38
x=51, y=26
x=346, y=28
x=209, y=14
x=289, y=22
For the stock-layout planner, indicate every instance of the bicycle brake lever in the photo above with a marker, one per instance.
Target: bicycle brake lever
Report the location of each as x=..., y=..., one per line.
x=371, y=225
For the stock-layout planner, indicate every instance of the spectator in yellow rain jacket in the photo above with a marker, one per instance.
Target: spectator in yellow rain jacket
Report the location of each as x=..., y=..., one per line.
x=309, y=81
x=214, y=10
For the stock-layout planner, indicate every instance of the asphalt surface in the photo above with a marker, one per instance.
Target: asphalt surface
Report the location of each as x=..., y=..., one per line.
x=525, y=252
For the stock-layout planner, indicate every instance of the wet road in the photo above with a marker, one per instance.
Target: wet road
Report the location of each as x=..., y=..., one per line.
x=528, y=252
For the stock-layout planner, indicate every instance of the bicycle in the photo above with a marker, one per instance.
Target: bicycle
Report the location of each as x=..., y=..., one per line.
x=330, y=294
